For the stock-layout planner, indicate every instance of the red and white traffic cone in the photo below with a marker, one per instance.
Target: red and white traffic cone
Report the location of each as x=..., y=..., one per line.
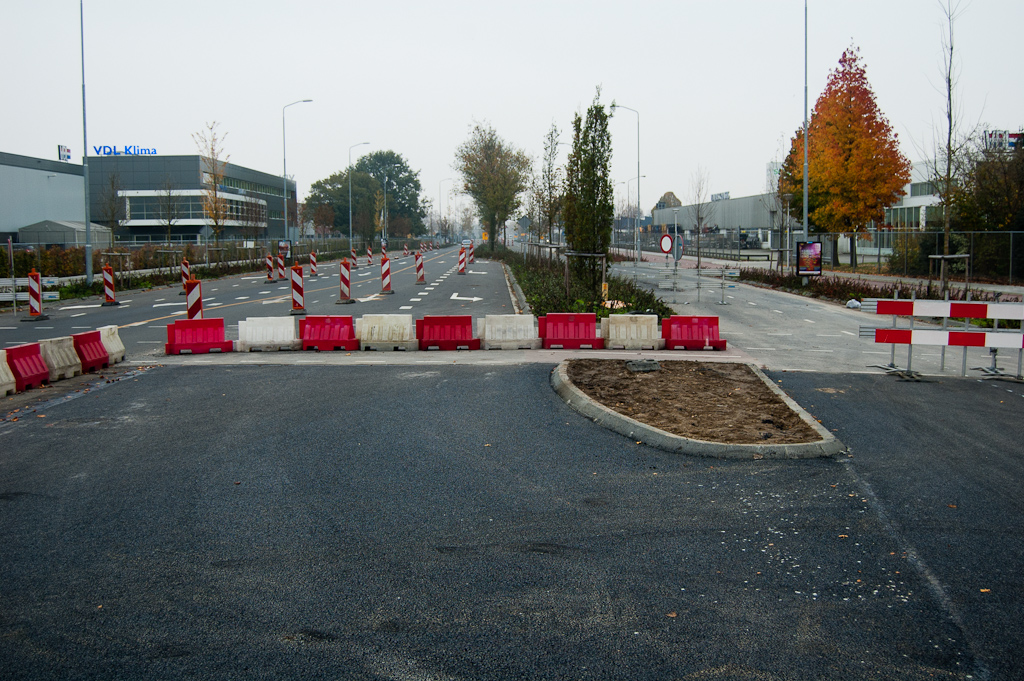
x=419, y=269
x=108, y=287
x=369, y=256
x=345, y=283
x=385, y=275
x=186, y=274
x=194, y=299
x=355, y=260
x=462, y=261
x=280, y=268
x=471, y=258
x=35, y=297
x=405, y=250
x=270, y=268
x=298, y=301
x=312, y=264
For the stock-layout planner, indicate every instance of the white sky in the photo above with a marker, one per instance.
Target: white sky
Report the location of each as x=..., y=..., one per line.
x=718, y=84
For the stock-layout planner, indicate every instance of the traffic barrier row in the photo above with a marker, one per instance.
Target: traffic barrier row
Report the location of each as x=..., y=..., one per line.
x=30, y=365
x=388, y=332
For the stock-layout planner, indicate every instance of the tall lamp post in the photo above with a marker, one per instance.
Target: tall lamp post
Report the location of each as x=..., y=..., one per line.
x=85, y=164
x=440, y=196
x=284, y=153
x=637, y=232
x=349, y=172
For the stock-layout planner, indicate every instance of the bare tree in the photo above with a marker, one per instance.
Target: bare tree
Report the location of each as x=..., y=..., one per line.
x=550, y=198
x=253, y=218
x=950, y=10
x=215, y=204
x=112, y=204
x=169, y=202
x=701, y=208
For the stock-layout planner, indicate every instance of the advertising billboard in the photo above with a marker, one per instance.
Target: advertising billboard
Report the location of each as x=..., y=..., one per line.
x=808, y=258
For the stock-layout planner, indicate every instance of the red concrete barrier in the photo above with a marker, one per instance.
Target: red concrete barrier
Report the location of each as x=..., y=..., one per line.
x=197, y=336
x=691, y=333
x=28, y=367
x=91, y=351
x=324, y=332
x=446, y=332
x=569, y=331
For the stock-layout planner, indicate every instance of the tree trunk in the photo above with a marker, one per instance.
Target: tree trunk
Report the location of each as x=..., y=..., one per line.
x=853, y=251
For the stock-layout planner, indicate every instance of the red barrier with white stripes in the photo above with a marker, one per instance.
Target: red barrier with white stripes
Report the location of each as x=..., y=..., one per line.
x=35, y=295
x=462, y=261
x=270, y=267
x=405, y=250
x=369, y=255
x=945, y=308
x=194, y=299
x=186, y=274
x=385, y=275
x=344, y=283
x=298, y=299
x=355, y=260
x=419, y=269
x=312, y=264
x=960, y=339
x=280, y=268
x=471, y=258
x=108, y=286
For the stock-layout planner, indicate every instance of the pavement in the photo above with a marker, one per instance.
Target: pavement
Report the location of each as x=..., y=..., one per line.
x=447, y=516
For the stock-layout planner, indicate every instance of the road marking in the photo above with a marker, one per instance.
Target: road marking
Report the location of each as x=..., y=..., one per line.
x=81, y=327
x=166, y=305
x=315, y=302
x=873, y=352
x=809, y=321
x=80, y=314
x=849, y=333
x=733, y=297
x=430, y=288
x=752, y=349
x=779, y=333
x=282, y=299
x=456, y=296
x=149, y=341
x=750, y=303
x=818, y=350
x=779, y=311
x=79, y=307
x=415, y=300
x=242, y=298
x=405, y=307
x=828, y=335
x=264, y=293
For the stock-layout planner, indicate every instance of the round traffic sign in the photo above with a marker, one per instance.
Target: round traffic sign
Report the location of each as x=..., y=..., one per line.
x=666, y=243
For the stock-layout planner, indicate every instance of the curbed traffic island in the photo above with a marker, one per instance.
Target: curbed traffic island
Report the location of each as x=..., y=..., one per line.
x=817, y=441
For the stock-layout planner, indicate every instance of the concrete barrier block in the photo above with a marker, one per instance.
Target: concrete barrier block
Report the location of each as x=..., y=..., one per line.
x=386, y=332
x=8, y=386
x=60, y=357
x=112, y=342
x=267, y=334
x=632, y=332
x=508, y=332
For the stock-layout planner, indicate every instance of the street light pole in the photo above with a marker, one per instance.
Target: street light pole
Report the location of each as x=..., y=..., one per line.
x=440, y=196
x=806, y=142
x=636, y=234
x=349, y=173
x=85, y=165
x=638, y=210
x=284, y=153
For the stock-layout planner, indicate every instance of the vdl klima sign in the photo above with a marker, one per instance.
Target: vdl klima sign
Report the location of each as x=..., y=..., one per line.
x=128, y=150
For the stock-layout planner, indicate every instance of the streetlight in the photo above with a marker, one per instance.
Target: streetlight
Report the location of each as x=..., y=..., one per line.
x=85, y=166
x=349, y=172
x=637, y=233
x=284, y=153
x=636, y=241
x=440, y=196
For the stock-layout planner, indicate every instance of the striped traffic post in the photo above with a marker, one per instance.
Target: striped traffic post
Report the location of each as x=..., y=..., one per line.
x=280, y=268
x=186, y=274
x=270, y=268
x=35, y=297
x=344, y=283
x=405, y=250
x=298, y=301
x=369, y=256
x=194, y=299
x=462, y=261
x=419, y=269
x=471, y=258
x=385, y=275
x=108, y=286
x=312, y=264
x=355, y=260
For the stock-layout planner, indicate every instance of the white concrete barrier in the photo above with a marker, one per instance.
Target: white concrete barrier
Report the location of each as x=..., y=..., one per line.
x=8, y=386
x=386, y=332
x=267, y=333
x=632, y=332
x=60, y=357
x=112, y=342
x=508, y=332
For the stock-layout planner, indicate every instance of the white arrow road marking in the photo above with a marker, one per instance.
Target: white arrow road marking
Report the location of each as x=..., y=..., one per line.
x=456, y=296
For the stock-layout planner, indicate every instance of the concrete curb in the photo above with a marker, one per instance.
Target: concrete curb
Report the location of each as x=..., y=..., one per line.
x=641, y=432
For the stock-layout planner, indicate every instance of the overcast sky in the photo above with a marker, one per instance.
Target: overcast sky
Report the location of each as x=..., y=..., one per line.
x=718, y=84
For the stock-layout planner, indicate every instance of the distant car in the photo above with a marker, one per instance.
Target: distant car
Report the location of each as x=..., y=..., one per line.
x=467, y=243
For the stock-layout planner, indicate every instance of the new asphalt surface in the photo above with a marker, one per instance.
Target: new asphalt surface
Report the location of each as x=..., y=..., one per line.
x=461, y=522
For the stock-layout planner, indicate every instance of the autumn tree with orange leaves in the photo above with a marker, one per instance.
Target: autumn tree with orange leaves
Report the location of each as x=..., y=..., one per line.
x=856, y=168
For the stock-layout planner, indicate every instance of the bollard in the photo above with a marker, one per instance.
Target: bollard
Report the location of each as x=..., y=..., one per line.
x=385, y=275
x=35, y=298
x=355, y=260
x=186, y=274
x=108, y=286
x=462, y=261
x=405, y=250
x=344, y=283
x=369, y=256
x=280, y=268
x=194, y=299
x=298, y=301
x=312, y=264
x=471, y=258
x=270, y=268
x=419, y=269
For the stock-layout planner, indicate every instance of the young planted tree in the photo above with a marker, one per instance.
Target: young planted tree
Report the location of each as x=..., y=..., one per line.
x=549, y=197
x=170, y=206
x=589, y=208
x=494, y=174
x=702, y=208
x=253, y=219
x=210, y=144
x=856, y=168
x=112, y=204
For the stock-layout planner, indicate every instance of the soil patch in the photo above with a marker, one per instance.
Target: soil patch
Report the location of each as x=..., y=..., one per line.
x=715, y=402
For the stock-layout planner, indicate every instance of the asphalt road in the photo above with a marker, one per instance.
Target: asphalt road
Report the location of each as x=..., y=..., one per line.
x=461, y=522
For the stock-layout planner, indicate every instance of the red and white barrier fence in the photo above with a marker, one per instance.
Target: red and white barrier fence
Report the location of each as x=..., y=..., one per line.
x=344, y=283
x=945, y=308
x=298, y=297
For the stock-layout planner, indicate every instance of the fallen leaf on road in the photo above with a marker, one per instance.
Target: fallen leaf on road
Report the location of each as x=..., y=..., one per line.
x=844, y=536
x=951, y=505
x=985, y=591
x=671, y=614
